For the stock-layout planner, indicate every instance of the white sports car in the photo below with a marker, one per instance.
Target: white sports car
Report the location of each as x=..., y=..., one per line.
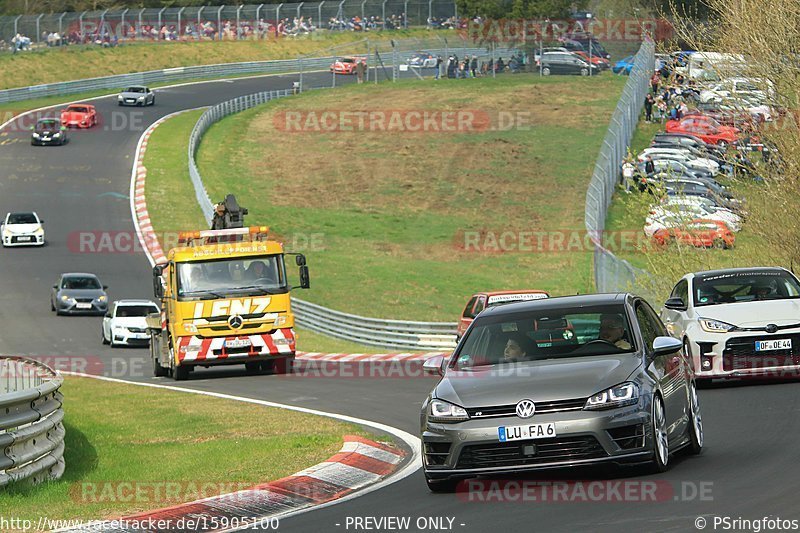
x=23, y=229
x=125, y=323
x=737, y=322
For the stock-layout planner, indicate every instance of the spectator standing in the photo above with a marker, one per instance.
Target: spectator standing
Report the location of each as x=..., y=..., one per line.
x=360, y=68
x=628, y=169
x=654, y=82
x=649, y=166
x=438, y=67
x=648, y=108
x=474, y=66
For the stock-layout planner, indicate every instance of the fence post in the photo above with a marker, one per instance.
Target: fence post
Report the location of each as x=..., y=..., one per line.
x=61, y=26
x=38, y=29
x=405, y=14
x=219, y=21
x=238, y=20
x=122, y=24
x=179, y=29
x=383, y=14
x=159, y=21
x=258, y=20
x=277, y=18
x=319, y=14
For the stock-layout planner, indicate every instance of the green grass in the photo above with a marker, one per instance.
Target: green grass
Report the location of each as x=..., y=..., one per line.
x=168, y=180
x=72, y=63
x=108, y=443
x=390, y=211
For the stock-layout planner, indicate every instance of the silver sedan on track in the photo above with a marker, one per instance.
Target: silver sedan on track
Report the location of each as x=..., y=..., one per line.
x=561, y=382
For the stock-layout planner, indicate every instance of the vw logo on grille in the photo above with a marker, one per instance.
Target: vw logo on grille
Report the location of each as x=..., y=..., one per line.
x=235, y=321
x=525, y=408
x=771, y=328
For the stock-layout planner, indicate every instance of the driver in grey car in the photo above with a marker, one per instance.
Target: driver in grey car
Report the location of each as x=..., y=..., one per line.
x=612, y=329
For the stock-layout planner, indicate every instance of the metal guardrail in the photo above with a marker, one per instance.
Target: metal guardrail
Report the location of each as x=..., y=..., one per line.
x=394, y=334
x=612, y=274
x=169, y=75
x=31, y=422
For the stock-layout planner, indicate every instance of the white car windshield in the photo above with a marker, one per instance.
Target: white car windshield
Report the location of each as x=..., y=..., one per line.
x=126, y=311
x=746, y=286
x=22, y=218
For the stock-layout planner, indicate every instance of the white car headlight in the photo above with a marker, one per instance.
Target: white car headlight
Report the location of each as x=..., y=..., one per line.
x=101, y=298
x=36, y=135
x=57, y=134
x=715, y=326
x=66, y=298
x=441, y=411
x=617, y=396
x=39, y=230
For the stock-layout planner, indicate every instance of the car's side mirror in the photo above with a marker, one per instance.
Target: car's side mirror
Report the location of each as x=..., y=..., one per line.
x=676, y=303
x=434, y=366
x=63, y=128
x=300, y=259
x=666, y=345
x=55, y=287
x=105, y=287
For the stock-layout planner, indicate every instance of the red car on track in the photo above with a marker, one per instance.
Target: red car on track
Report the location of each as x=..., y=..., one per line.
x=347, y=65
x=79, y=116
x=481, y=300
x=700, y=233
x=706, y=128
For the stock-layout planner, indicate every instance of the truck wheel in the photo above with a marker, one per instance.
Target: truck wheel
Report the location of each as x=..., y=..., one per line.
x=180, y=373
x=283, y=366
x=158, y=370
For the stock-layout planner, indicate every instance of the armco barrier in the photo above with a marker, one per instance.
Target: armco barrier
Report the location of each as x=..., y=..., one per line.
x=31, y=422
x=169, y=75
x=398, y=334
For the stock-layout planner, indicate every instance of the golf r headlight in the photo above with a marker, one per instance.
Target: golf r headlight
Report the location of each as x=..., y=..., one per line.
x=715, y=326
x=66, y=299
x=441, y=411
x=618, y=396
x=101, y=298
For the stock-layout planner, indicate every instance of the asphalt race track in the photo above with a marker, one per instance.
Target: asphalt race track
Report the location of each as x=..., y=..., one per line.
x=748, y=470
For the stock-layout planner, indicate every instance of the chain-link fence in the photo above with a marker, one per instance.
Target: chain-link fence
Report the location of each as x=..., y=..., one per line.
x=612, y=274
x=252, y=21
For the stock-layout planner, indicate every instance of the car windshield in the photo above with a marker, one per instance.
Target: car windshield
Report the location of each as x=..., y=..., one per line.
x=77, y=109
x=220, y=278
x=747, y=286
x=347, y=60
x=49, y=124
x=134, y=90
x=545, y=334
x=125, y=311
x=81, y=283
x=22, y=218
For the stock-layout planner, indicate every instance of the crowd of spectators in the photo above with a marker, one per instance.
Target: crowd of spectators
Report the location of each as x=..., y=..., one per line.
x=472, y=67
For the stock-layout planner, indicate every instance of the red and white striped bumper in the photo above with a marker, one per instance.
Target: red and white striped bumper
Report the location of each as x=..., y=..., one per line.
x=196, y=349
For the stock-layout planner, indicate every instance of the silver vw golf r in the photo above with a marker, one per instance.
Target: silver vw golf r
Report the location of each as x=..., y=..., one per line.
x=561, y=382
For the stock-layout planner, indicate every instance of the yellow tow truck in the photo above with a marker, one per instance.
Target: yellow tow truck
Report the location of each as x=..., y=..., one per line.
x=224, y=300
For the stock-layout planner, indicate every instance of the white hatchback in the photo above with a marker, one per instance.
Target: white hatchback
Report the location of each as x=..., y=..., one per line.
x=23, y=229
x=737, y=322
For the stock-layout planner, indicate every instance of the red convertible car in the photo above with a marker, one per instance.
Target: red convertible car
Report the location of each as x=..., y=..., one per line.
x=706, y=128
x=347, y=65
x=699, y=232
x=79, y=116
